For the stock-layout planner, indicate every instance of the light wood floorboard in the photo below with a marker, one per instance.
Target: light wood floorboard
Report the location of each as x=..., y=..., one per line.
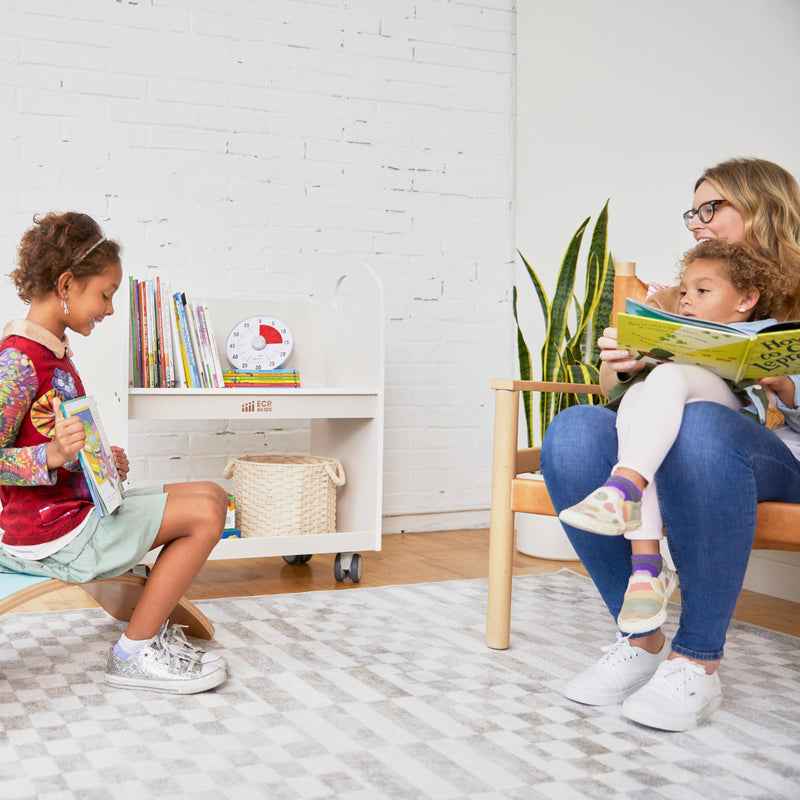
x=405, y=558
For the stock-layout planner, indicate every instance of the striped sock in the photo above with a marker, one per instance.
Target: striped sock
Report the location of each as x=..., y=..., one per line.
x=647, y=563
x=625, y=487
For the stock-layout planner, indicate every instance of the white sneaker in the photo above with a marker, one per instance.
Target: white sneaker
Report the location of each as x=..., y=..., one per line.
x=621, y=671
x=678, y=697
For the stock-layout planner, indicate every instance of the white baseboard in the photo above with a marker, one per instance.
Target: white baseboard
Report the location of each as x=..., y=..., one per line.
x=436, y=521
x=777, y=578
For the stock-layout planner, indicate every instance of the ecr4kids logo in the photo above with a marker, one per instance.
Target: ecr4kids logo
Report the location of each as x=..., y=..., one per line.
x=257, y=407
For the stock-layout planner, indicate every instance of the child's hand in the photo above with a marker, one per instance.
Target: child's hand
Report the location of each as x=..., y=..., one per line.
x=783, y=386
x=121, y=461
x=69, y=437
x=618, y=360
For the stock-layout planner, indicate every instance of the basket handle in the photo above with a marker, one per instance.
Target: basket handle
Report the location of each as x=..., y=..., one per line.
x=228, y=471
x=335, y=471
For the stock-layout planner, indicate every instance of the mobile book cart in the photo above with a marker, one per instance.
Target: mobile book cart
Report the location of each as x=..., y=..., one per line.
x=339, y=353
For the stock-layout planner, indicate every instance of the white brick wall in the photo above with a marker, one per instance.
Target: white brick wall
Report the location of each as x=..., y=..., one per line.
x=237, y=143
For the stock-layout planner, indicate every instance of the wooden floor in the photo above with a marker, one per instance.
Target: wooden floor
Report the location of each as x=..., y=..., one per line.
x=404, y=559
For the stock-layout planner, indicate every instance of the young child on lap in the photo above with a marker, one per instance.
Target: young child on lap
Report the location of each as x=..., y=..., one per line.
x=720, y=282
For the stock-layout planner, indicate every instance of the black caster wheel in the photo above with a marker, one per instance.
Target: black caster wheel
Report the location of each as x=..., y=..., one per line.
x=355, y=568
x=297, y=559
x=338, y=572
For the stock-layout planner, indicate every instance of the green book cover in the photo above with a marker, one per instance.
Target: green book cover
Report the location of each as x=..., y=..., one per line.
x=657, y=336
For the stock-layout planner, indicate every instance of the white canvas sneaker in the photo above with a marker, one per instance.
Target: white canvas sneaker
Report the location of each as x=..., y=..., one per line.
x=679, y=697
x=620, y=672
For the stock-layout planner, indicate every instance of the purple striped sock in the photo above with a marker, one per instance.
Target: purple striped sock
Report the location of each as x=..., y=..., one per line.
x=647, y=563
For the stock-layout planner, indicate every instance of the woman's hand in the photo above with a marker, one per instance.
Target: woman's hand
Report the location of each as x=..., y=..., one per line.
x=121, y=461
x=69, y=437
x=618, y=360
x=783, y=387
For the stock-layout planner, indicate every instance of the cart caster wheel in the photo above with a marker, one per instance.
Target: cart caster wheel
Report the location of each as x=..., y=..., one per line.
x=347, y=565
x=338, y=571
x=297, y=559
x=355, y=568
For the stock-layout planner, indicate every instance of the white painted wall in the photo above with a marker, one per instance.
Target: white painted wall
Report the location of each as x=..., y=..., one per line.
x=631, y=101
x=235, y=146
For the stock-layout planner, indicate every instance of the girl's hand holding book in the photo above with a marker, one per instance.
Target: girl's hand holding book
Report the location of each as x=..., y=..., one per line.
x=121, y=462
x=69, y=437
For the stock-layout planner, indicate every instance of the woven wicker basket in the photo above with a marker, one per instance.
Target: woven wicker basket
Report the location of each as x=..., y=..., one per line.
x=285, y=495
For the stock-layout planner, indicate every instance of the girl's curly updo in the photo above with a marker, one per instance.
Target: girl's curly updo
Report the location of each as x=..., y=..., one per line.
x=58, y=243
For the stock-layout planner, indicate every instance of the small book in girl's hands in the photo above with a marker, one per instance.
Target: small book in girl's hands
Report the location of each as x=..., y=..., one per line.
x=97, y=460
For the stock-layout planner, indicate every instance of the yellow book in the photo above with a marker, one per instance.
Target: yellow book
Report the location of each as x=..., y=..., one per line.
x=656, y=336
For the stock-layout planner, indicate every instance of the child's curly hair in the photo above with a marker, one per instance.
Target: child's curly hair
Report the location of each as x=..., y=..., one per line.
x=58, y=243
x=747, y=268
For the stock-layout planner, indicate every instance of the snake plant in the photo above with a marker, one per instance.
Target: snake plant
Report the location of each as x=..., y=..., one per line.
x=570, y=355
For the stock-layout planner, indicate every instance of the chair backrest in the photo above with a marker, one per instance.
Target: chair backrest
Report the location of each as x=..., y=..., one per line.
x=626, y=285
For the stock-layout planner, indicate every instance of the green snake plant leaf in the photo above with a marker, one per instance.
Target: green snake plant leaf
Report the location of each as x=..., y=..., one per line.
x=539, y=289
x=570, y=354
x=525, y=373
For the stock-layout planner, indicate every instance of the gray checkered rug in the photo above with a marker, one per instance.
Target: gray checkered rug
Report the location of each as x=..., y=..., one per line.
x=384, y=693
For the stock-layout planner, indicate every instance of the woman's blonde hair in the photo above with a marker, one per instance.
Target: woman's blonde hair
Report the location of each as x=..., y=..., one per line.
x=768, y=198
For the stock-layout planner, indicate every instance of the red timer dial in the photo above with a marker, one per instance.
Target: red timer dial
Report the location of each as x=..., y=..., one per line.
x=259, y=343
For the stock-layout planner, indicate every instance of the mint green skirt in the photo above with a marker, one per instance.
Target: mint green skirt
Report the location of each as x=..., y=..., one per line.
x=105, y=547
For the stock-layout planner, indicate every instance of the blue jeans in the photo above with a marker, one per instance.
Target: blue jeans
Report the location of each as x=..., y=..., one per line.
x=721, y=465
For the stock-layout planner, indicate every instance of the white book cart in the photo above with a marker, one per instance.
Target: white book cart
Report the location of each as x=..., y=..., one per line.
x=339, y=353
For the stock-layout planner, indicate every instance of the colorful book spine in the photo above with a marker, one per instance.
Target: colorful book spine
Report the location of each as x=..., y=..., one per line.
x=193, y=377
x=214, y=350
x=133, y=373
x=166, y=334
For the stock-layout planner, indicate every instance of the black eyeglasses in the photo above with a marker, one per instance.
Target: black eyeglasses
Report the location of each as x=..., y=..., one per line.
x=704, y=211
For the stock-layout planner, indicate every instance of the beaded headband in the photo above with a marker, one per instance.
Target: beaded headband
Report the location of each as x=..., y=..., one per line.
x=91, y=249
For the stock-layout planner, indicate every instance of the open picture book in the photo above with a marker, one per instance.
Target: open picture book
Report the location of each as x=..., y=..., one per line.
x=97, y=460
x=656, y=336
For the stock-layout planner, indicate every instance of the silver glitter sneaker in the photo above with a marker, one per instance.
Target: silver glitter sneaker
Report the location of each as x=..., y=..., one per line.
x=176, y=637
x=168, y=663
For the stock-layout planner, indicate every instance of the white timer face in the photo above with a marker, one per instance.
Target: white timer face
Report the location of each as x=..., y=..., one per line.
x=257, y=343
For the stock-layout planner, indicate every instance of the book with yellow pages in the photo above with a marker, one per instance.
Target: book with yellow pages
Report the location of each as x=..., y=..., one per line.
x=656, y=336
x=97, y=460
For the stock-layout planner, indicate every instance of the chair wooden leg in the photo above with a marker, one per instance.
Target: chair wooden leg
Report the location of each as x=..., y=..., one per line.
x=119, y=596
x=501, y=531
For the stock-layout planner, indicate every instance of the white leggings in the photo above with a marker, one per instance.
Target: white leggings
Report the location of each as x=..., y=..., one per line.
x=648, y=421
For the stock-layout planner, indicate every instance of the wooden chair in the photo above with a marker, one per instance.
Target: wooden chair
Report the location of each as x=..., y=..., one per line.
x=777, y=526
x=117, y=596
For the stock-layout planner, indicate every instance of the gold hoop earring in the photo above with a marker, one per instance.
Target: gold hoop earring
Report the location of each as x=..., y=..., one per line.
x=64, y=306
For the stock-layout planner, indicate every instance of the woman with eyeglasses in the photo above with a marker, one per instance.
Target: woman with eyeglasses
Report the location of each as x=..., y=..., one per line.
x=721, y=465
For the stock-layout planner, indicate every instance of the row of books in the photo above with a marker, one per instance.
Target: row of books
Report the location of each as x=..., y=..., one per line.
x=173, y=345
x=172, y=340
x=264, y=378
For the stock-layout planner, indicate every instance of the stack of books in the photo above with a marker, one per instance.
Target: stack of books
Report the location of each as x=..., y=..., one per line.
x=172, y=341
x=272, y=378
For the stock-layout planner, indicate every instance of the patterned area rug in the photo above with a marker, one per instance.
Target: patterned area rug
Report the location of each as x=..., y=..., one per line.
x=384, y=693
